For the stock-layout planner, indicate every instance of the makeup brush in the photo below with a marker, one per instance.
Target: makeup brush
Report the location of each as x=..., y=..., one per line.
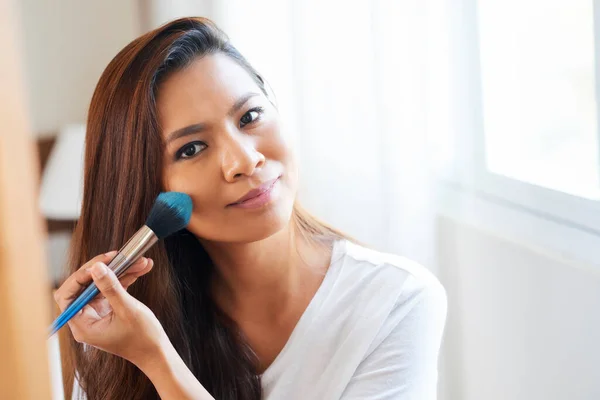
x=170, y=213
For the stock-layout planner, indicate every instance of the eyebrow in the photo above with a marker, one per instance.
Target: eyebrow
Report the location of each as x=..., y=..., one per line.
x=196, y=128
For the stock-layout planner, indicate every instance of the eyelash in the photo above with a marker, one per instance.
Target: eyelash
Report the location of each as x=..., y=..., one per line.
x=258, y=110
x=181, y=151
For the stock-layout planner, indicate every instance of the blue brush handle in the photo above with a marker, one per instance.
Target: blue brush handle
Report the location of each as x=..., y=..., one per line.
x=139, y=243
x=85, y=297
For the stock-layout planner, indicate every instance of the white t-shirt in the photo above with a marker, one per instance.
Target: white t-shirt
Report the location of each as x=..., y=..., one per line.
x=371, y=332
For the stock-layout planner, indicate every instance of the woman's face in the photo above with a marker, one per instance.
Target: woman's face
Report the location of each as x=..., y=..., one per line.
x=223, y=140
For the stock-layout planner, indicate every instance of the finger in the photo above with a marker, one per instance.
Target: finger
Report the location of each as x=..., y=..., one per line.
x=84, y=314
x=137, y=269
x=101, y=306
x=78, y=280
x=103, y=258
x=89, y=314
x=109, y=285
x=85, y=317
x=137, y=266
x=129, y=278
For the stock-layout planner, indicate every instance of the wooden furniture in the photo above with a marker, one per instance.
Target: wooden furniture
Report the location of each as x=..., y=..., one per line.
x=24, y=290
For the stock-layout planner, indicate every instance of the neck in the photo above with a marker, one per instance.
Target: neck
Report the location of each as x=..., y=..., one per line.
x=266, y=276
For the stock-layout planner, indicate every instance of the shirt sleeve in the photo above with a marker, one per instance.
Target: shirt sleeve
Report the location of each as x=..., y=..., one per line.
x=402, y=362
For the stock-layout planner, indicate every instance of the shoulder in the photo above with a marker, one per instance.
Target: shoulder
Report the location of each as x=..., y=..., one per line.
x=412, y=301
x=382, y=297
x=406, y=278
x=400, y=291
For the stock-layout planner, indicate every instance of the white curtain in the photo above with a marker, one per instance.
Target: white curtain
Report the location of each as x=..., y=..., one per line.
x=352, y=80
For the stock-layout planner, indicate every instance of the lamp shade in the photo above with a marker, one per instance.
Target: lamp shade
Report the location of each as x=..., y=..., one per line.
x=62, y=181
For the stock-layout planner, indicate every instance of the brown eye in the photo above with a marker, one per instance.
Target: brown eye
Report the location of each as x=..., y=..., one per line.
x=190, y=150
x=252, y=115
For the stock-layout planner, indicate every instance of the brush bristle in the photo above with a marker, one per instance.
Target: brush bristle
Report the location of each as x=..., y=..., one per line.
x=170, y=213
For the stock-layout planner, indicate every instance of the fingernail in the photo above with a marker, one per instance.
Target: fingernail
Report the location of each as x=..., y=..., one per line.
x=99, y=270
x=110, y=253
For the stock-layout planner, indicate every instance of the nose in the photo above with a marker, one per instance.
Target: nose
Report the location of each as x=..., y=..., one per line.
x=240, y=158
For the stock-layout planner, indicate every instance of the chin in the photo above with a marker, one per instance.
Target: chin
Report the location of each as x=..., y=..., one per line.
x=262, y=226
x=261, y=233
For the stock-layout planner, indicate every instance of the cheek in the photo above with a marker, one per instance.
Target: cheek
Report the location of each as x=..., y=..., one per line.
x=275, y=148
x=186, y=179
x=206, y=213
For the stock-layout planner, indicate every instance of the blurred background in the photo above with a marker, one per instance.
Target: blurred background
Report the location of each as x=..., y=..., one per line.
x=460, y=133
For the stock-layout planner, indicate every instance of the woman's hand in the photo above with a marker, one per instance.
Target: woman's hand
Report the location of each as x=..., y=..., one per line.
x=114, y=321
x=118, y=323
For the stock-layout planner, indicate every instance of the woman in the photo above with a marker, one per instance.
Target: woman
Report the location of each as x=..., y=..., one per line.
x=256, y=298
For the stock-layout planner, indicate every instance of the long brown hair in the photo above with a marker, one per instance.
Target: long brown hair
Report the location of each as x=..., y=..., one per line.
x=122, y=168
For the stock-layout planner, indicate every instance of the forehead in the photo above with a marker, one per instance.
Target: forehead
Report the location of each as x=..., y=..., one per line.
x=208, y=86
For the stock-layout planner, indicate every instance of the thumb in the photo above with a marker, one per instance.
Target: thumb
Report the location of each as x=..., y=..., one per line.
x=109, y=285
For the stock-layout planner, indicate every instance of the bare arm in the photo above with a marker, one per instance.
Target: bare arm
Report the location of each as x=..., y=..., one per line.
x=170, y=376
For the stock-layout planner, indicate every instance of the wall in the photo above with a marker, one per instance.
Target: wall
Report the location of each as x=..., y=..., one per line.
x=66, y=47
x=522, y=325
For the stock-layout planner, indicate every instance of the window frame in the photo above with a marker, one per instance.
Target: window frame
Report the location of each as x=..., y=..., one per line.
x=544, y=216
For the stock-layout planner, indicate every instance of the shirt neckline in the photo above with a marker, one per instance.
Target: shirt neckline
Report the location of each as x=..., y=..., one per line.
x=310, y=311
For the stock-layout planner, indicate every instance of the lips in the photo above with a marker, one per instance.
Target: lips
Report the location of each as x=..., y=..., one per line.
x=256, y=192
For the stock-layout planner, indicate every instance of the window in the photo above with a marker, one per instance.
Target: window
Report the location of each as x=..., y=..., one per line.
x=538, y=91
x=522, y=99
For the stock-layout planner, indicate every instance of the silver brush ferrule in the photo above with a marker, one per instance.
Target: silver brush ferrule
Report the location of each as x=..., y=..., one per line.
x=139, y=243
